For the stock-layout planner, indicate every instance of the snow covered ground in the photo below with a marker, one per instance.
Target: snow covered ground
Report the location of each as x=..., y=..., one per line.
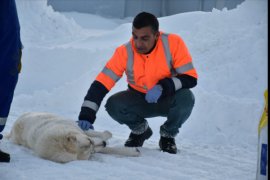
x=63, y=53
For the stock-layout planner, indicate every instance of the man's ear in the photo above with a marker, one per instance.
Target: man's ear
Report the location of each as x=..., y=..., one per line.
x=157, y=35
x=70, y=143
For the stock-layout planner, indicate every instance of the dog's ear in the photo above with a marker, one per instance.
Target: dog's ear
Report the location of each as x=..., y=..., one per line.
x=70, y=143
x=71, y=138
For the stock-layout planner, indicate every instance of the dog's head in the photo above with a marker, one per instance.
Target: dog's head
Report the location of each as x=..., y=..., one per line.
x=80, y=144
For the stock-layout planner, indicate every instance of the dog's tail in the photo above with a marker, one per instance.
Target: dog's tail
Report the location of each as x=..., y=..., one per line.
x=124, y=151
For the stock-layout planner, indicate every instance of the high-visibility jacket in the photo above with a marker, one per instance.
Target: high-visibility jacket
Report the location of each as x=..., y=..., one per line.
x=169, y=58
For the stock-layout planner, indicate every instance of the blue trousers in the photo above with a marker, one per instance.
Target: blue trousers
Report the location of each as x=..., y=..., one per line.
x=10, y=56
x=7, y=87
x=10, y=64
x=8, y=80
x=130, y=108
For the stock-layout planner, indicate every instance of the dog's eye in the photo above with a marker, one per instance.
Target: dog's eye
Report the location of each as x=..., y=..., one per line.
x=91, y=142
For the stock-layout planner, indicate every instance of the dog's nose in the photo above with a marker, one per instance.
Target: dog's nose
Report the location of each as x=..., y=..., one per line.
x=104, y=143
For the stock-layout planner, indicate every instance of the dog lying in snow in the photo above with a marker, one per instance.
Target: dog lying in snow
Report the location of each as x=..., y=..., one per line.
x=61, y=140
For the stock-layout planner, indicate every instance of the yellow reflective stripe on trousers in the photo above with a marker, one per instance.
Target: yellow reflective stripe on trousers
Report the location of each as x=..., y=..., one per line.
x=3, y=121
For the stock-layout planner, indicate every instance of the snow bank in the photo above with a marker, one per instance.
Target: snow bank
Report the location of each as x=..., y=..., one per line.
x=229, y=49
x=40, y=24
x=62, y=57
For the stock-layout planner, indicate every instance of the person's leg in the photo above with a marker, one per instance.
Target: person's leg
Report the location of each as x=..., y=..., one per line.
x=180, y=108
x=10, y=66
x=9, y=70
x=10, y=61
x=6, y=96
x=129, y=107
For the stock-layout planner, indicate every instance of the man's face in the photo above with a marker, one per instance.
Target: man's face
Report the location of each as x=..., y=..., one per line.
x=144, y=39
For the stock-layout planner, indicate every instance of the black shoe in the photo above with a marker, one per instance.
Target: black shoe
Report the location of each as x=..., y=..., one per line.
x=167, y=145
x=137, y=140
x=4, y=157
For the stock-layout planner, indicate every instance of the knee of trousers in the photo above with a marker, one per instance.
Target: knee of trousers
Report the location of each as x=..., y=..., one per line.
x=116, y=109
x=185, y=96
x=184, y=101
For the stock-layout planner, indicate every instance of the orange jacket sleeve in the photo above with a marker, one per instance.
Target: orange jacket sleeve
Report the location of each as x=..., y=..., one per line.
x=182, y=59
x=114, y=68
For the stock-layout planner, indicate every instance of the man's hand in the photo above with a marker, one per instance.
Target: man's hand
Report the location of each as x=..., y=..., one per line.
x=154, y=94
x=85, y=125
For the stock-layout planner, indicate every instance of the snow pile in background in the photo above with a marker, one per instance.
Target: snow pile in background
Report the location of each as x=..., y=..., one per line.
x=63, y=53
x=228, y=47
x=41, y=24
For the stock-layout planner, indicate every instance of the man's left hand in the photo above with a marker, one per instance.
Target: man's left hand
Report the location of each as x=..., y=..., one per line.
x=154, y=94
x=85, y=125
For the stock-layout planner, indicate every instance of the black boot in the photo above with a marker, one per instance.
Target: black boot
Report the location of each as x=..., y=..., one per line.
x=137, y=140
x=168, y=145
x=4, y=157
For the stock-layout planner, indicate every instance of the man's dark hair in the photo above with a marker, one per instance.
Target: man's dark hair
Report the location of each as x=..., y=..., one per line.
x=145, y=19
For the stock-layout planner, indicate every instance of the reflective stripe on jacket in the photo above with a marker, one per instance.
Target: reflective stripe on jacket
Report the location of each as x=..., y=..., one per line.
x=169, y=58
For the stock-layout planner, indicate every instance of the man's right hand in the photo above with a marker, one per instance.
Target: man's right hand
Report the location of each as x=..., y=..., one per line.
x=85, y=125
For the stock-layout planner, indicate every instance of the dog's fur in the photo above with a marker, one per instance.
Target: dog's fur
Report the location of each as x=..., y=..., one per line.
x=61, y=140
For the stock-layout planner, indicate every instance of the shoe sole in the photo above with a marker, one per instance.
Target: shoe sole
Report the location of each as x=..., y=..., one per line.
x=150, y=134
x=170, y=152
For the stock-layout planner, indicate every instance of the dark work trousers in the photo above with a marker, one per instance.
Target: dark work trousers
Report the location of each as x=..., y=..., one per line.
x=130, y=107
x=10, y=57
x=8, y=82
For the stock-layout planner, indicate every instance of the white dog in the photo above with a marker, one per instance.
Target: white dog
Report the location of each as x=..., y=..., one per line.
x=61, y=140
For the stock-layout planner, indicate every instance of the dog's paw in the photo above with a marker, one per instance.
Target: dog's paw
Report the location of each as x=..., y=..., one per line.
x=136, y=152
